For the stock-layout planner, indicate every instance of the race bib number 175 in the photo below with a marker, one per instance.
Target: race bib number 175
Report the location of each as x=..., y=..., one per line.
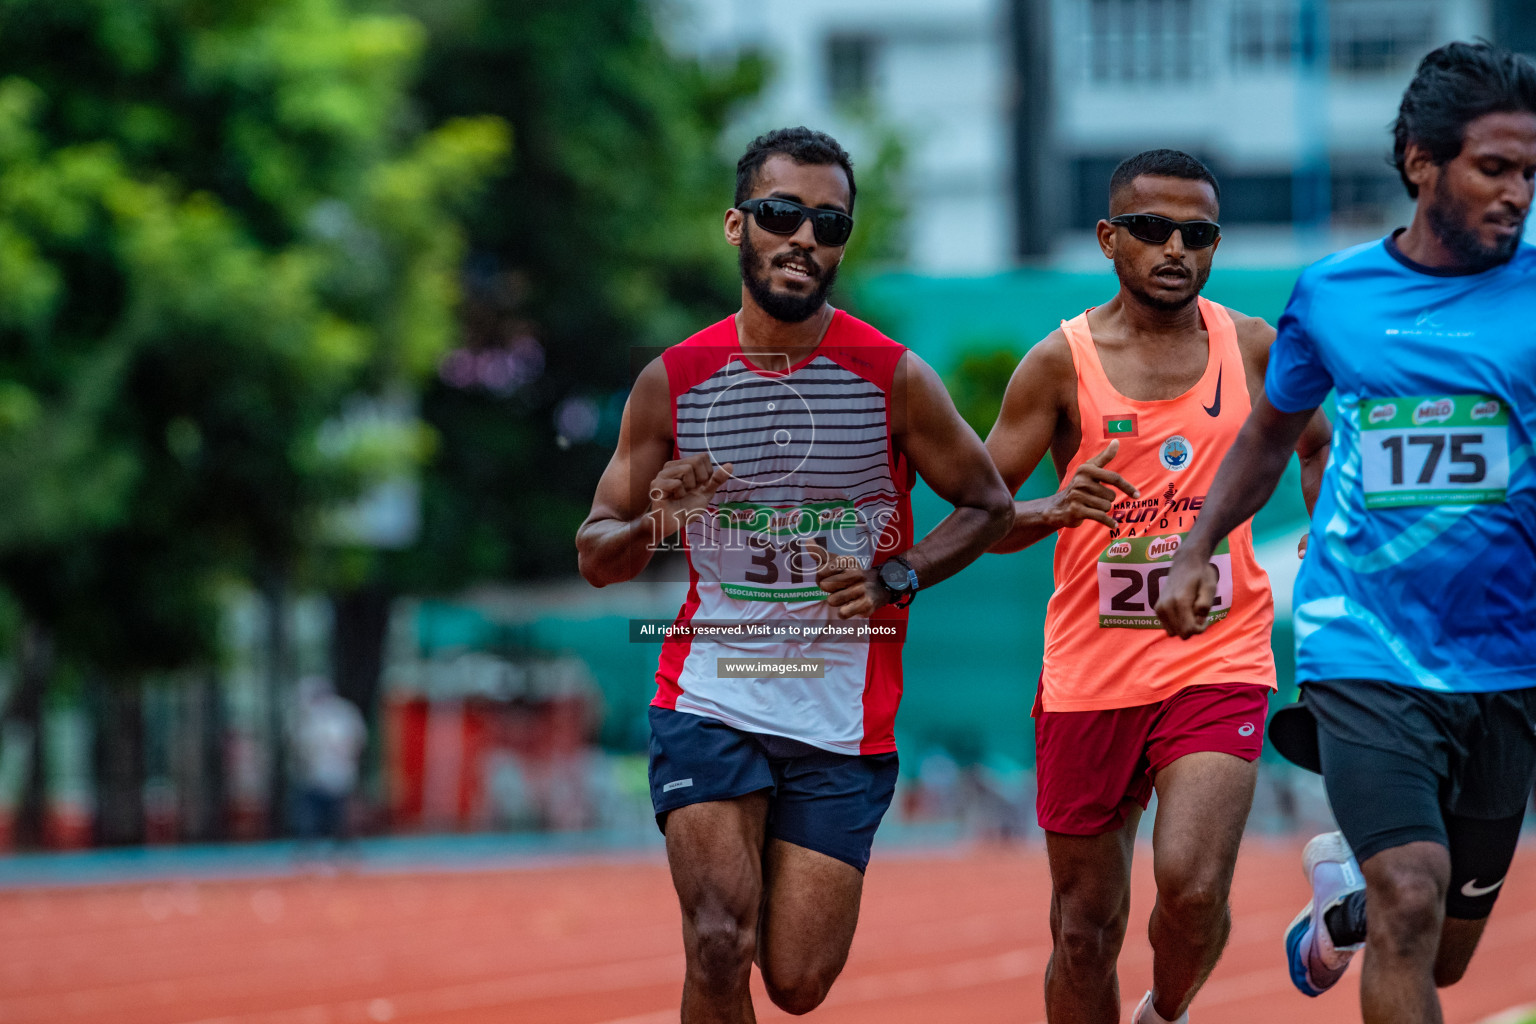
x=1131, y=575
x=1435, y=450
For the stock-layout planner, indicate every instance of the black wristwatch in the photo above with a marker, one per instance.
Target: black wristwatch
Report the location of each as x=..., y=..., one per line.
x=900, y=581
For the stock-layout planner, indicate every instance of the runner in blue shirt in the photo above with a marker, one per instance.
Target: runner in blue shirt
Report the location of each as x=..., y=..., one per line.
x=1415, y=609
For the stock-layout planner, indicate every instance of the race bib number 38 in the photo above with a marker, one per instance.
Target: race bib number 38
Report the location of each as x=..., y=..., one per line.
x=1131, y=575
x=766, y=552
x=1434, y=450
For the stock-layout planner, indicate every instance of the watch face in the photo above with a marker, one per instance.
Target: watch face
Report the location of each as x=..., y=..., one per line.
x=894, y=575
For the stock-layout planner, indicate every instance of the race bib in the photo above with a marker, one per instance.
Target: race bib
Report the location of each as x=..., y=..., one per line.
x=765, y=552
x=1438, y=450
x=1131, y=575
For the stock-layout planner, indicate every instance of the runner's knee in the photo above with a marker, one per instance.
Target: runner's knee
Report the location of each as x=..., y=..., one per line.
x=1088, y=937
x=1192, y=895
x=1406, y=910
x=724, y=944
x=797, y=993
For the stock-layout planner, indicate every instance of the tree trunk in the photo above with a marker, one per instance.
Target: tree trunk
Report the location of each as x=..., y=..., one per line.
x=279, y=696
x=119, y=761
x=359, y=631
x=359, y=636
x=203, y=788
x=25, y=708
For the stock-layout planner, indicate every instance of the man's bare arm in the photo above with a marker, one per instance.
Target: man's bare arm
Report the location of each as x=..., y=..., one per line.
x=1244, y=482
x=949, y=456
x=1034, y=410
x=1255, y=336
x=644, y=495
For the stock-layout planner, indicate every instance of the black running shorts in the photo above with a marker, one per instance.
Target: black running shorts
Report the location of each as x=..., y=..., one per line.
x=1403, y=764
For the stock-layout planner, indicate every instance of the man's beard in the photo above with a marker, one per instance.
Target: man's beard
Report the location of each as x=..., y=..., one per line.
x=788, y=307
x=1448, y=220
x=1167, y=305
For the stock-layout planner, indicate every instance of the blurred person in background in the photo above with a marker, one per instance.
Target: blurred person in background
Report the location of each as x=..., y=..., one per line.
x=781, y=444
x=1416, y=606
x=1156, y=382
x=328, y=736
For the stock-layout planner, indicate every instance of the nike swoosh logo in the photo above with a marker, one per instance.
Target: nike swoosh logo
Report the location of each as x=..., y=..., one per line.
x=1214, y=409
x=1473, y=890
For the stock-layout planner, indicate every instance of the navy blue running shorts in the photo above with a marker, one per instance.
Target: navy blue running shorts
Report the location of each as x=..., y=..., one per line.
x=830, y=803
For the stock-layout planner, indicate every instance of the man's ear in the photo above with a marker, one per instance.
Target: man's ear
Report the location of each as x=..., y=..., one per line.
x=1105, y=233
x=735, y=224
x=1420, y=168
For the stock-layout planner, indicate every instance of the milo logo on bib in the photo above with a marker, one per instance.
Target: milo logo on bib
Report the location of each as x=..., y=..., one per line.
x=766, y=552
x=1434, y=450
x=1131, y=575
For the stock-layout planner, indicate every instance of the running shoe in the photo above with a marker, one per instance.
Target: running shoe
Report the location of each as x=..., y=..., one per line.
x=1145, y=1014
x=1316, y=963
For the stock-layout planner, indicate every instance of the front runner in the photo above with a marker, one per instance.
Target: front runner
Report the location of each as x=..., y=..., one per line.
x=780, y=434
x=1415, y=609
x=1156, y=383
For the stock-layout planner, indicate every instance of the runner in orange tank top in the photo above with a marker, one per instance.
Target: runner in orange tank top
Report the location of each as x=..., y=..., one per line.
x=1137, y=401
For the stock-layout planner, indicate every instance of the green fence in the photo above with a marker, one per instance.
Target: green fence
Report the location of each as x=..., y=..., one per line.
x=974, y=643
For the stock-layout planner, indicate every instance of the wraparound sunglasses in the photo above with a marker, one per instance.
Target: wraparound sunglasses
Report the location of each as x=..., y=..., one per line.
x=1149, y=227
x=783, y=217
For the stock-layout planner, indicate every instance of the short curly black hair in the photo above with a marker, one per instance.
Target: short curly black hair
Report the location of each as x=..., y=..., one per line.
x=802, y=145
x=1161, y=163
x=1454, y=86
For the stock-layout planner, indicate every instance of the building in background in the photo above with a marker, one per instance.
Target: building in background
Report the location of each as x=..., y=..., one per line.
x=1289, y=101
x=1016, y=111
x=937, y=73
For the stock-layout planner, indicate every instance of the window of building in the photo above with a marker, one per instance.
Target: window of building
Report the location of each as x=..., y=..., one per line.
x=1380, y=38
x=1262, y=34
x=1143, y=41
x=1366, y=195
x=850, y=68
x=1365, y=36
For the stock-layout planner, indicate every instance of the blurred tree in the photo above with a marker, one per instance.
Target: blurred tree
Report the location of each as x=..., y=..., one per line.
x=602, y=238
x=218, y=222
x=977, y=382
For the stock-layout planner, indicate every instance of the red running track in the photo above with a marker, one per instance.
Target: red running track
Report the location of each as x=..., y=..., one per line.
x=957, y=936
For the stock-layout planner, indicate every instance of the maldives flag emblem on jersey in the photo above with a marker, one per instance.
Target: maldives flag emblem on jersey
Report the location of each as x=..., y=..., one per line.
x=1123, y=425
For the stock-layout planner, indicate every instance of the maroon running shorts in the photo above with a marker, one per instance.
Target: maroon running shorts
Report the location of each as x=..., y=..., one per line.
x=1089, y=764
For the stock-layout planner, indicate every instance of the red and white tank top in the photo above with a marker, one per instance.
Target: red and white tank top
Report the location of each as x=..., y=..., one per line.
x=1104, y=645
x=812, y=458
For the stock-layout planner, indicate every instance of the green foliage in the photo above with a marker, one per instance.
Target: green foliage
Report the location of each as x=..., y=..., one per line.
x=604, y=237
x=977, y=383
x=218, y=221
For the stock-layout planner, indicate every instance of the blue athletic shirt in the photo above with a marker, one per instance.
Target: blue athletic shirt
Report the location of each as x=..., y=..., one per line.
x=1421, y=568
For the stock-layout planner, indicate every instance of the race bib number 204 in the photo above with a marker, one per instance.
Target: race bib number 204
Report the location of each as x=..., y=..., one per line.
x=1131, y=574
x=1435, y=450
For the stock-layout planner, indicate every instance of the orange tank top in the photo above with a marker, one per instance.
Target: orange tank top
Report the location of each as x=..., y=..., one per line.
x=1104, y=646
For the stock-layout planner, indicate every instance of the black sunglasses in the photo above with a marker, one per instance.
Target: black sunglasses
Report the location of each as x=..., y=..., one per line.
x=783, y=217
x=1149, y=227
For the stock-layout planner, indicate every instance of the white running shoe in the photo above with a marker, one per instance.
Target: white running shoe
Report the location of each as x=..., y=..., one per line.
x=1316, y=964
x=1145, y=1014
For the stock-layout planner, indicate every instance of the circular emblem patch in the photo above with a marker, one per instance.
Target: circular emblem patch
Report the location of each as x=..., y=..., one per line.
x=1175, y=453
